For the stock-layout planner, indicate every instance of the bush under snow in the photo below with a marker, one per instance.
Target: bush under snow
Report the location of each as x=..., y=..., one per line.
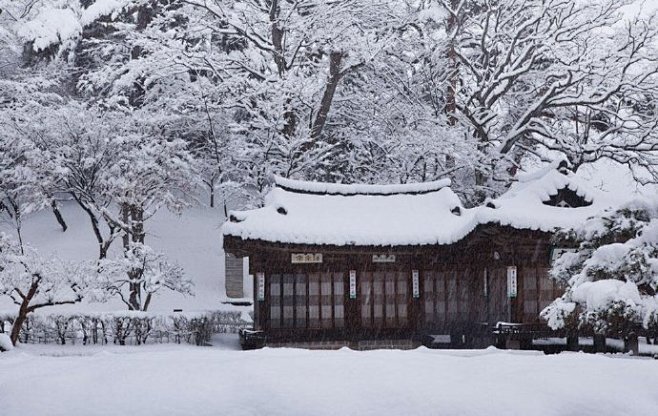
x=612, y=279
x=5, y=343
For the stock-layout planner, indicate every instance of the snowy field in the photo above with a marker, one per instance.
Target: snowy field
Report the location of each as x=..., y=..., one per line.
x=185, y=380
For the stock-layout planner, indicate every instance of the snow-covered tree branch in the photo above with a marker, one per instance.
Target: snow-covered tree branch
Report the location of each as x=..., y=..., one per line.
x=139, y=274
x=34, y=282
x=612, y=280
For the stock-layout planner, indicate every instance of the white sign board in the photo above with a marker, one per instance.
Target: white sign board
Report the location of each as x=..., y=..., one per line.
x=383, y=258
x=511, y=282
x=415, y=284
x=260, y=283
x=352, y=284
x=305, y=258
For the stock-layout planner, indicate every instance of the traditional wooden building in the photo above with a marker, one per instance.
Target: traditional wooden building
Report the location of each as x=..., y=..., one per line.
x=397, y=265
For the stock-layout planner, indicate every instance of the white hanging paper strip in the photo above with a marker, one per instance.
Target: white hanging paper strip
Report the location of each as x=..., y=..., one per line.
x=352, y=284
x=415, y=284
x=511, y=282
x=261, y=285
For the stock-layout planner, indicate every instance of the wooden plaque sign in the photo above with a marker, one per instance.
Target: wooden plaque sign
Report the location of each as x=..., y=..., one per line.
x=383, y=258
x=305, y=258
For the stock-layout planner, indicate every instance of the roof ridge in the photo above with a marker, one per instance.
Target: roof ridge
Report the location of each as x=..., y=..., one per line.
x=328, y=188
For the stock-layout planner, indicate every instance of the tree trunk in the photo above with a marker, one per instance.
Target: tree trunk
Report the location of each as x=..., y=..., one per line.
x=18, y=323
x=133, y=288
x=103, y=245
x=145, y=15
x=136, y=214
x=453, y=76
x=147, y=302
x=16, y=329
x=277, y=38
x=23, y=311
x=58, y=215
x=125, y=217
x=451, y=93
x=277, y=34
x=137, y=223
x=335, y=59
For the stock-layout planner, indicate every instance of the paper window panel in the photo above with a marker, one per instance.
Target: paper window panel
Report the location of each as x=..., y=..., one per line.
x=300, y=301
x=288, y=300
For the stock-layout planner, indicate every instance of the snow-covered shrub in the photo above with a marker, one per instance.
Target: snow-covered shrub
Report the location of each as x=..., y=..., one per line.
x=612, y=279
x=5, y=343
x=195, y=329
x=122, y=326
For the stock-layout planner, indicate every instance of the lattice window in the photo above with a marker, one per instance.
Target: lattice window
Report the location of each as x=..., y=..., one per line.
x=384, y=299
x=314, y=300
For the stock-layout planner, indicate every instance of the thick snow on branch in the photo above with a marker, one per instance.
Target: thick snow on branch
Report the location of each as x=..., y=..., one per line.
x=33, y=281
x=54, y=23
x=612, y=281
x=142, y=267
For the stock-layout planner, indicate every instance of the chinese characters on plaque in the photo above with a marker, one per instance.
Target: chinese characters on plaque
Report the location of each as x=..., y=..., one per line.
x=305, y=258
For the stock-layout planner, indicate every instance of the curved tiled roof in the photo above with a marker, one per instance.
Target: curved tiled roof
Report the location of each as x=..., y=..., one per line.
x=411, y=214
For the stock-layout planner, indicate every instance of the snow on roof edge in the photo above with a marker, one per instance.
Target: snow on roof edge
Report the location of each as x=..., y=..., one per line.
x=536, y=174
x=309, y=187
x=521, y=207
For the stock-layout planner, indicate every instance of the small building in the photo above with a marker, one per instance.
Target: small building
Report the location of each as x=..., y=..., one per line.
x=396, y=265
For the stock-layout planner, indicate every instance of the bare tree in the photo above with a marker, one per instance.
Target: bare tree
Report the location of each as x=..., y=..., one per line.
x=555, y=76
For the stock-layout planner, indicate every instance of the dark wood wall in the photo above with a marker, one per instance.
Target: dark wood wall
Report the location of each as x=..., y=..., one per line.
x=460, y=285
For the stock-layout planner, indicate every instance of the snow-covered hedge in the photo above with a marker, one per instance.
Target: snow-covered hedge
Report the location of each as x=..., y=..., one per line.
x=127, y=327
x=612, y=280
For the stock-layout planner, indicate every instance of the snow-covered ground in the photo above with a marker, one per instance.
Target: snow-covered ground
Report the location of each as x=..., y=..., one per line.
x=192, y=240
x=185, y=380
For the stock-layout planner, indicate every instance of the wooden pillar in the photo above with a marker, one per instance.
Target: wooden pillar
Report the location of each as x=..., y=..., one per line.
x=599, y=343
x=261, y=310
x=572, y=341
x=485, y=292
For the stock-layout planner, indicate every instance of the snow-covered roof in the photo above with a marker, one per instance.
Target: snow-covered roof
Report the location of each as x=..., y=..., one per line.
x=336, y=214
x=302, y=212
x=526, y=204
